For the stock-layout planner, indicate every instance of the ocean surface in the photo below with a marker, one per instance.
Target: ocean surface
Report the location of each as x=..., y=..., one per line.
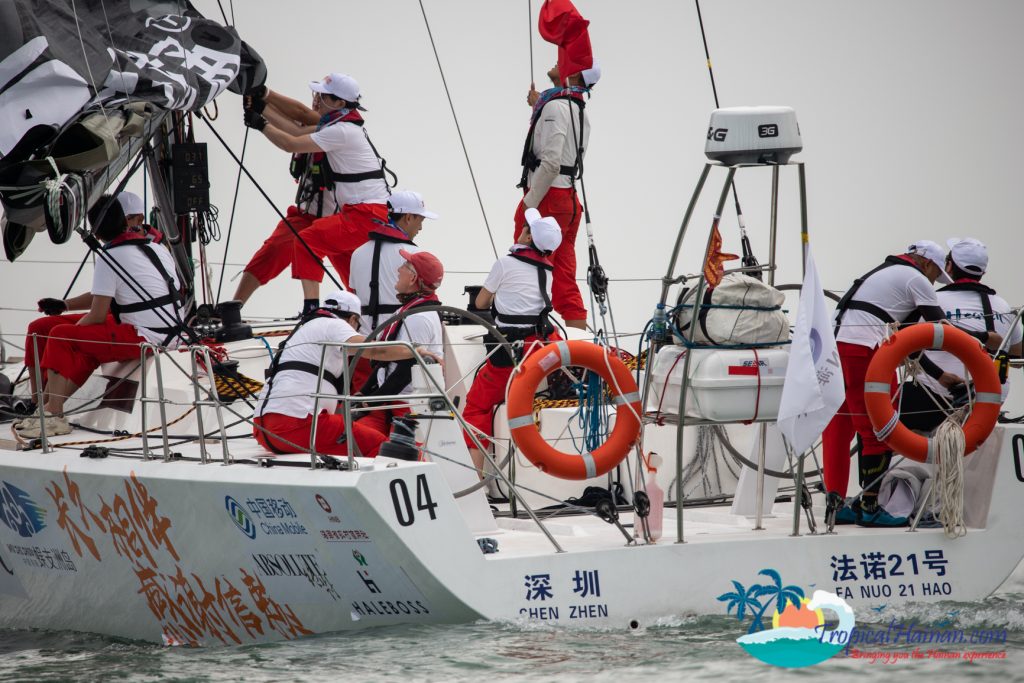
x=688, y=648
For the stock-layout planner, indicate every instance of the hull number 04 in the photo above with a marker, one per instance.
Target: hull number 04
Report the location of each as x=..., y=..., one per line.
x=404, y=511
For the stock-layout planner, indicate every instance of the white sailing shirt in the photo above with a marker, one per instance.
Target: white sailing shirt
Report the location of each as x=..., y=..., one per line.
x=963, y=309
x=422, y=329
x=291, y=388
x=555, y=141
x=147, y=280
x=514, y=284
x=348, y=151
x=387, y=277
x=898, y=290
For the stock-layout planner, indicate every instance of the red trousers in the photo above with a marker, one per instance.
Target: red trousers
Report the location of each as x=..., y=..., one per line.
x=487, y=393
x=852, y=418
x=336, y=237
x=377, y=424
x=561, y=204
x=42, y=327
x=75, y=351
x=276, y=253
x=330, y=427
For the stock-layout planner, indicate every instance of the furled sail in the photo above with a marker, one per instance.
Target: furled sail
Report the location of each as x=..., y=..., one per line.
x=84, y=82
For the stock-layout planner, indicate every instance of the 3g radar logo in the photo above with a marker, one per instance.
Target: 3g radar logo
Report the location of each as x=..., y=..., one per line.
x=768, y=130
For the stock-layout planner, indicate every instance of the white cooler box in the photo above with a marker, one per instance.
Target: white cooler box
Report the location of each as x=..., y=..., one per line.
x=725, y=384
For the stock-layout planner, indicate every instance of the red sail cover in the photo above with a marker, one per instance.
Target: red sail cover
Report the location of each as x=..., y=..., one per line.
x=561, y=23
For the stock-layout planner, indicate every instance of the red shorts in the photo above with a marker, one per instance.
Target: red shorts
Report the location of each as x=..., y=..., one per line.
x=336, y=237
x=561, y=204
x=276, y=253
x=330, y=427
x=75, y=351
x=41, y=327
x=851, y=419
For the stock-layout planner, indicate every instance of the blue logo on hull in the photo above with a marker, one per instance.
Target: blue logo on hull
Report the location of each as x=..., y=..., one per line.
x=19, y=512
x=240, y=517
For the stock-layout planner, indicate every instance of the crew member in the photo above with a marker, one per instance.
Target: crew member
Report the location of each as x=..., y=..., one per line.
x=519, y=287
x=134, y=299
x=419, y=276
x=342, y=190
x=283, y=418
x=898, y=291
x=375, y=264
x=552, y=161
x=972, y=307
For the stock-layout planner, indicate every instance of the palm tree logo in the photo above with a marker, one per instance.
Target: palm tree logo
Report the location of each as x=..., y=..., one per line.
x=745, y=600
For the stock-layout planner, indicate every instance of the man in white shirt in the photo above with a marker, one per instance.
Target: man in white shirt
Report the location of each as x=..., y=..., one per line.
x=341, y=184
x=899, y=291
x=134, y=298
x=519, y=286
x=283, y=416
x=972, y=307
x=552, y=161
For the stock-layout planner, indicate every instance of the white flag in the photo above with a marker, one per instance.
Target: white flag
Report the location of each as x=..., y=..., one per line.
x=814, y=388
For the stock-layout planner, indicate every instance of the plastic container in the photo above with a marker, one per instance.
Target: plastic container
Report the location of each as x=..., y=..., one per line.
x=726, y=385
x=656, y=518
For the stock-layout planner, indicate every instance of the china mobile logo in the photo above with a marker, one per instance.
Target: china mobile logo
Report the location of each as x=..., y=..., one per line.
x=787, y=629
x=240, y=517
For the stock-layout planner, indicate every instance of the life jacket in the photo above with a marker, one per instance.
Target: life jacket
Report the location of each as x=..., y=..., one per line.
x=848, y=303
x=172, y=297
x=402, y=374
x=984, y=293
x=543, y=266
x=530, y=160
x=276, y=366
x=313, y=171
x=380, y=233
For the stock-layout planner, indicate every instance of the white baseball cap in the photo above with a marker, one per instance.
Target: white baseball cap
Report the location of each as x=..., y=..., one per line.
x=592, y=75
x=408, y=201
x=343, y=302
x=131, y=203
x=545, y=231
x=338, y=84
x=968, y=254
x=934, y=253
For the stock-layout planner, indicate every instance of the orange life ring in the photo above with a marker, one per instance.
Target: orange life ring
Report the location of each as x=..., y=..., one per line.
x=923, y=336
x=625, y=396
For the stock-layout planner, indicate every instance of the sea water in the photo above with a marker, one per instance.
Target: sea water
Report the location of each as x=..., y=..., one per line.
x=687, y=648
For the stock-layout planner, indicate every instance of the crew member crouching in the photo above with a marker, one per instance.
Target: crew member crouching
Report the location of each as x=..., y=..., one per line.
x=972, y=307
x=134, y=299
x=519, y=288
x=419, y=276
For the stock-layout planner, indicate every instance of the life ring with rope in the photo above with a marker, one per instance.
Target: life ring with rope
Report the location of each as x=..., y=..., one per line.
x=625, y=396
x=930, y=336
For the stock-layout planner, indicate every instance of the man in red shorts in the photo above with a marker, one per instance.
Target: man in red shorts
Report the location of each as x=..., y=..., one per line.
x=134, y=301
x=341, y=184
x=552, y=161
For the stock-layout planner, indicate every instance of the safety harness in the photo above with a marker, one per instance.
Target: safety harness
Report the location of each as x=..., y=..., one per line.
x=984, y=293
x=173, y=297
x=848, y=303
x=313, y=171
x=530, y=161
x=401, y=376
x=380, y=233
x=539, y=323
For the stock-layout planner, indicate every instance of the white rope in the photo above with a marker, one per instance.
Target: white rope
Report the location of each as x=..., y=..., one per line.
x=949, y=476
x=59, y=189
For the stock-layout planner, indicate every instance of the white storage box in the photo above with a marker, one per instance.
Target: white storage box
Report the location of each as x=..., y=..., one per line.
x=727, y=385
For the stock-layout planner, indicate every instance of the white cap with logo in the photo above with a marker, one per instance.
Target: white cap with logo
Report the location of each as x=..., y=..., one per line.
x=340, y=85
x=343, y=302
x=131, y=203
x=592, y=75
x=545, y=231
x=408, y=201
x=968, y=254
x=934, y=253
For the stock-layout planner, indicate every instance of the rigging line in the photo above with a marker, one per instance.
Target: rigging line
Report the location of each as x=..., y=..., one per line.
x=85, y=58
x=223, y=13
x=231, y=4
x=458, y=129
x=117, y=58
x=529, y=32
x=748, y=256
x=231, y=223
x=270, y=201
x=78, y=272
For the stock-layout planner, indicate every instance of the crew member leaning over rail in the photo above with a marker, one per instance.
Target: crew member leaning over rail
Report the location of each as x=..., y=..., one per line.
x=419, y=276
x=519, y=288
x=974, y=308
x=898, y=291
x=134, y=298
